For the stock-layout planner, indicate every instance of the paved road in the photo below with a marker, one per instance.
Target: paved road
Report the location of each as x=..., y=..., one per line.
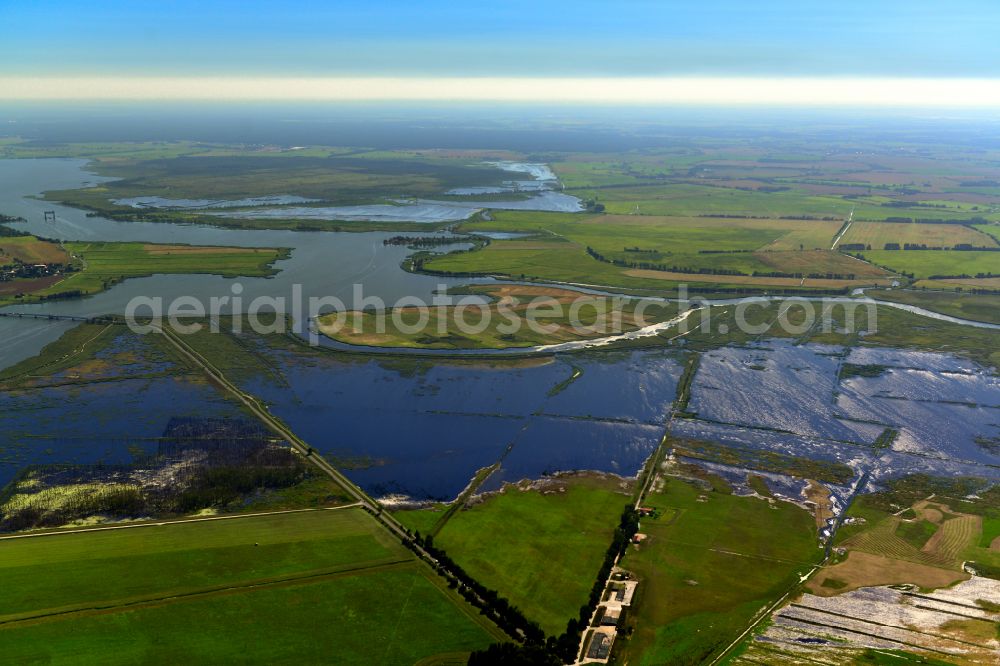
x=262, y=413
x=850, y=221
x=51, y=317
x=260, y=410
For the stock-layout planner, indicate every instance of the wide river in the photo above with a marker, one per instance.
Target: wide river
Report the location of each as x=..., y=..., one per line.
x=322, y=263
x=425, y=435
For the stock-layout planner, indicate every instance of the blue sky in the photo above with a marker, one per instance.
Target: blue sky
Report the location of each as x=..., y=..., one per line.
x=582, y=38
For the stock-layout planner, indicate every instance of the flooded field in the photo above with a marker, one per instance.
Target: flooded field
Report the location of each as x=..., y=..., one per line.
x=880, y=410
x=395, y=428
x=404, y=427
x=775, y=385
x=973, y=388
x=909, y=358
x=970, y=434
x=420, y=210
x=638, y=386
x=549, y=445
x=199, y=204
x=541, y=188
x=896, y=464
x=424, y=432
x=421, y=430
x=540, y=172
x=547, y=200
x=544, y=179
x=507, y=187
x=815, y=448
x=107, y=410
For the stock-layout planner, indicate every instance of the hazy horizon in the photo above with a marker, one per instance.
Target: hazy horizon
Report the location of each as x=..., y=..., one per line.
x=772, y=52
x=525, y=127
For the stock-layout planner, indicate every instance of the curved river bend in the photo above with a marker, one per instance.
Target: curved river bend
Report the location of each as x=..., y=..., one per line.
x=322, y=263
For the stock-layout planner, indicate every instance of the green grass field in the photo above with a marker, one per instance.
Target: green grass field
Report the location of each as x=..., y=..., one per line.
x=927, y=263
x=689, y=199
x=312, y=586
x=395, y=616
x=334, y=175
x=102, y=264
x=739, y=177
x=114, y=565
x=978, y=307
x=684, y=199
x=75, y=346
x=546, y=260
x=105, y=264
x=541, y=550
x=673, y=240
x=799, y=176
x=740, y=252
x=110, y=151
x=420, y=520
x=991, y=229
x=704, y=574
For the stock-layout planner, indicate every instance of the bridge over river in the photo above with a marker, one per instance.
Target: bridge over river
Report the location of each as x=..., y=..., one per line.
x=103, y=319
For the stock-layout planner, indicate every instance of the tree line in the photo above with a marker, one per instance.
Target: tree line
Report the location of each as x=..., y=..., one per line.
x=563, y=649
x=687, y=270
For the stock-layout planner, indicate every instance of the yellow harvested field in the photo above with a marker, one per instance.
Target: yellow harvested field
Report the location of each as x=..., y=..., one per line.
x=518, y=316
x=960, y=283
x=954, y=536
x=822, y=262
x=509, y=293
x=933, y=515
x=31, y=250
x=882, y=540
x=819, y=495
x=868, y=570
x=791, y=234
x=12, y=287
x=818, y=235
x=877, y=234
x=929, y=512
x=713, y=279
x=693, y=278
